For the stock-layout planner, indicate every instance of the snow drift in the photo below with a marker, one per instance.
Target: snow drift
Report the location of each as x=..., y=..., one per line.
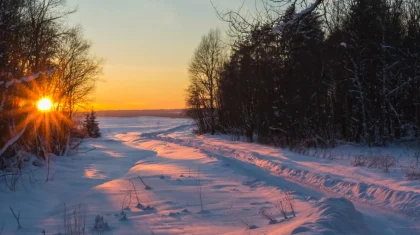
x=406, y=202
x=332, y=216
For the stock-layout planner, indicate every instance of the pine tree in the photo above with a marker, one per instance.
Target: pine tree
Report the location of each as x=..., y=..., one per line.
x=86, y=124
x=91, y=126
x=95, y=131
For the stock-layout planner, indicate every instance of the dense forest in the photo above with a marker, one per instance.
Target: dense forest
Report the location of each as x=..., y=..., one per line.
x=41, y=57
x=312, y=73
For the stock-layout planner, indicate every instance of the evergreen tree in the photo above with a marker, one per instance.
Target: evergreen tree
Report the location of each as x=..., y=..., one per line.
x=95, y=125
x=86, y=125
x=353, y=75
x=91, y=125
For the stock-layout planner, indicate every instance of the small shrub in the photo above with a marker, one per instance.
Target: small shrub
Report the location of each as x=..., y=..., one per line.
x=286, y=205
x=359, y=160
x=300, y=149
x=100, y=225
x=388, y=161
x=323, y=153
x=374, y=161
x=75, y=220
x=135, y=192
x=265, y=214
x=123, y=216
x=412, y=171
x=282, y=207
x=378, y=161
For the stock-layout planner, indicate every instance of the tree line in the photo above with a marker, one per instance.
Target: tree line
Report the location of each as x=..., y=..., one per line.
x=329, y=71
x=41, y=56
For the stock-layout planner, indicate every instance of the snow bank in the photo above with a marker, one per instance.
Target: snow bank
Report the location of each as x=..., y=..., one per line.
x=332, y=216
x=406, y=202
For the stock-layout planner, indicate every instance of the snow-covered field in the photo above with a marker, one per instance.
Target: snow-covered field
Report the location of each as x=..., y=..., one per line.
x=147, y=175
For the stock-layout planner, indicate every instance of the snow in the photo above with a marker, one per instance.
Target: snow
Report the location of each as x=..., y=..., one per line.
x=237, y=181
x=297, y=17
x=389, y=190
x=332, y=215
x=13, y=139
x=25, y=79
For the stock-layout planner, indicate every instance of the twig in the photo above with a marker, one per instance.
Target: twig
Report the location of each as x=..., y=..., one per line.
x=13, y=181
x=290, y=200
x=244, y=222
x=266, y=215
x=129, y=199
x=200, y=191
x=88, y=150
x=76, y=145
x=282, y=209
x=65, y=217
x=147, y=187
x=135, y=191
x=16, y=217
x=123, y=203
x=48, y=166
x=12, y=174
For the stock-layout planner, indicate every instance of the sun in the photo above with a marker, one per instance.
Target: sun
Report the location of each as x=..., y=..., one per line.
x=44, y=104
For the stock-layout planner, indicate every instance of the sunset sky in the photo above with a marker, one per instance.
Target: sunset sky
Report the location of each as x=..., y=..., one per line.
x=147, y=45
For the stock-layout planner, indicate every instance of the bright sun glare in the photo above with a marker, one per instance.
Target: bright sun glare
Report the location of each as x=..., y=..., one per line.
x=44, y=104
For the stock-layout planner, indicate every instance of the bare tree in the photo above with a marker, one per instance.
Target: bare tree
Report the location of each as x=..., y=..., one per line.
x=41, y=57
x=75, y=79
x=204, y=71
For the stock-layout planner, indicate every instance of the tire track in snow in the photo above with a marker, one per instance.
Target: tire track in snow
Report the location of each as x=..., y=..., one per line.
x=405, y=202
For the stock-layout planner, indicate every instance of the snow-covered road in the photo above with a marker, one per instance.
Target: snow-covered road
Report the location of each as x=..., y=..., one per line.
x=238, y=182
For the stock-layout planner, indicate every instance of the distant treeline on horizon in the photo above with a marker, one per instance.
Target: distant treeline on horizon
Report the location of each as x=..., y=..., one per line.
x=170, y=113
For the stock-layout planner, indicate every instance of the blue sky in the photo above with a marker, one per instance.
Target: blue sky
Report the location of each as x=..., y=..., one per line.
x=147, y=45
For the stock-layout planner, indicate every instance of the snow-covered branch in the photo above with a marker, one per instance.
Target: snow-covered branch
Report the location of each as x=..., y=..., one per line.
x=25, y=79
x=12, y=141
x=298, y=16
x=7, y=85
x=20, y=80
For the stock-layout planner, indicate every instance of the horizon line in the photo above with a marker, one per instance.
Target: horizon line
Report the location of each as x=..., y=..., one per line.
x=111, y=110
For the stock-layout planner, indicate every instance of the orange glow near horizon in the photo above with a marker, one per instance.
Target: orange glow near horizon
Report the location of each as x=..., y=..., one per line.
x=139, y=88
x=146, y=65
